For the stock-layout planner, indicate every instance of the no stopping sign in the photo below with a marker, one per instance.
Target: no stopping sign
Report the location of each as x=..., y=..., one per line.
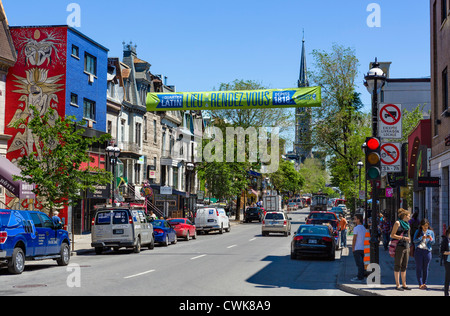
x=390, y=157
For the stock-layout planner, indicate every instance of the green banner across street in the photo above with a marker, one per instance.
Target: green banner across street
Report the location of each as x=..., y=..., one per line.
x=226, y=100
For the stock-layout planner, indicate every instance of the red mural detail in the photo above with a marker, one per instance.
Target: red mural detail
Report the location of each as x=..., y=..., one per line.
x=38, y=78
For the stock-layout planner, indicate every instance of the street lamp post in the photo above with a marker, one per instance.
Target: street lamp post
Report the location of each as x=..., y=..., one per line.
x=360, y=165
x=374, y=82
x=113, y=153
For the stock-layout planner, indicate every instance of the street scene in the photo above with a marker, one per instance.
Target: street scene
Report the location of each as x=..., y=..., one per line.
x=236, y=151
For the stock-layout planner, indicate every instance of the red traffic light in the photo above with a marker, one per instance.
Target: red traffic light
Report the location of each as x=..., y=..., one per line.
x=373, y=143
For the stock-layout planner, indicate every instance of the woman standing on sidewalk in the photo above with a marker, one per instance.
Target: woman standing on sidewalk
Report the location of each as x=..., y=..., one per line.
x=423, y=241
x=445, y=251
x=401, y=232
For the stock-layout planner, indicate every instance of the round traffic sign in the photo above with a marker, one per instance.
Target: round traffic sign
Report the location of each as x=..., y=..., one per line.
x=389, y=154
x=390, y=114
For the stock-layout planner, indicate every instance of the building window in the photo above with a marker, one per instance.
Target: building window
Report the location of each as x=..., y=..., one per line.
x=122, y=130
x=145, y=128
x=137, y=137
x=155, y=134
x=74, y=99
x=75, y=51
x=443, y=10
x=90, y=64
x=444, y=90
x=109, y=128
x=89, y=109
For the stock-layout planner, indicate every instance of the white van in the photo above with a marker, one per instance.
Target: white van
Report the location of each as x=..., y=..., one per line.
x=121, y=227
x=212, y=218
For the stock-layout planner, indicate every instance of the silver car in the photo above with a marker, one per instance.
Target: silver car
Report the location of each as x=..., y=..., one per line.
x=121, y=227
x=276, y=222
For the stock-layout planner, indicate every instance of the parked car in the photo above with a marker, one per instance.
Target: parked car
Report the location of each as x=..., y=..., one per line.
x=183, y=228
x=344, y=207
x=31, y=235
x=337, y=210
x=328, y=218
x=252, y=214
x=164, y=232
x=212, y=218
x=119, y=227
x=276, y=222
x=313, y=240
x=292, y=207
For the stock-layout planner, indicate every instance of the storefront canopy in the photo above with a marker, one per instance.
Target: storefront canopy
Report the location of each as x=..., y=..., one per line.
x=20, y=189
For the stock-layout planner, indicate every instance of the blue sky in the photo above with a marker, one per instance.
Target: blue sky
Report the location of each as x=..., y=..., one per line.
x=198, y=44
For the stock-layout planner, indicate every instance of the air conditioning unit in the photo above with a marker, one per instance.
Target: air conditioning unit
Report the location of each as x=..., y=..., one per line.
x=91, y=78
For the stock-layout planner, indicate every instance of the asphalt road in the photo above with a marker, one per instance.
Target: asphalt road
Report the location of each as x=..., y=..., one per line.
x=239, y=263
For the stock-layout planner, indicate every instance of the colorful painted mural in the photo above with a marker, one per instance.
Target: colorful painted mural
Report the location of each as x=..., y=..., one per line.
x=38, y=78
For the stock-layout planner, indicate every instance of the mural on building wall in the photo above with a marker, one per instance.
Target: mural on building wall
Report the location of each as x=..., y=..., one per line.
x=38, y=79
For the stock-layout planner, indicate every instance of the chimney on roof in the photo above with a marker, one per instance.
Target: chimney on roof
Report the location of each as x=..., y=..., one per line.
x=129, y=49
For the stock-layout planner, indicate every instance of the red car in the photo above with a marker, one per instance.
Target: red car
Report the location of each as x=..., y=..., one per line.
x=183, y=227
x=322, y=217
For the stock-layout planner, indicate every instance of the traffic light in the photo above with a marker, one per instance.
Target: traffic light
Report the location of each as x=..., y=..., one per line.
x=373, y=159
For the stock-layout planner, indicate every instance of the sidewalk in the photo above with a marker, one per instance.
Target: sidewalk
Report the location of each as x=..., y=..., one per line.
x=82, y=243
x=387, y=287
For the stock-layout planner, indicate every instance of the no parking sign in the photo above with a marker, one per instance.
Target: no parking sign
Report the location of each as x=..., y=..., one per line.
x=390, y=121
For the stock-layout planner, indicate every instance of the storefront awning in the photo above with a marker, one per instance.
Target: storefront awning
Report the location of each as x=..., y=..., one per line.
x=20, y=189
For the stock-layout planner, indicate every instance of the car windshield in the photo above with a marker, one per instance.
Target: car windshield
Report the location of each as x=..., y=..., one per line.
x=176, y=221
x=158, y=223
x=313, y=230
x=275, y=216
x=322, y=216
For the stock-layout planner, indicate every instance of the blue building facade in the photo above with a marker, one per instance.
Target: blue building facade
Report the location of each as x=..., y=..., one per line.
x=86, y=80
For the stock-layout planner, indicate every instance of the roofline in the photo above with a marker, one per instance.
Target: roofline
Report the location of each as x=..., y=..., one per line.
x=66, y=26
x=408, y=80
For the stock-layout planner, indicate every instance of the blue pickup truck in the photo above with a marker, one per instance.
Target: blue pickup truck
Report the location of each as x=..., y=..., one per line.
x=31, y=235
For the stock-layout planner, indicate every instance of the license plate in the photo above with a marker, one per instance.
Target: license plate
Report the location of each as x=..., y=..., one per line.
x=313, y=241
x=210, y=220
x=118, y=231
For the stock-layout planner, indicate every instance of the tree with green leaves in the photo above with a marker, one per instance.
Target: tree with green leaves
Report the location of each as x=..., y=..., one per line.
x=286, y=179
x=61, y=170
x=339, y=126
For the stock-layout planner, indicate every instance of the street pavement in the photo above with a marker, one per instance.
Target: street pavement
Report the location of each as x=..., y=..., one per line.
x=348, y=270
x=387, y=286
x=239, y=263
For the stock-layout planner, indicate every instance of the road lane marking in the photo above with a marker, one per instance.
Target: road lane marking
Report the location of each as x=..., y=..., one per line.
x=197, y=257
x=231, y=246
x=135, y=275
x=252, y=239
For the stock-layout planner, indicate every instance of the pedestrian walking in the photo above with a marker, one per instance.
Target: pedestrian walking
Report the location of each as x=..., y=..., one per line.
x=445, y=252
x=343, y=225
x=385, y=227
x=423, y=241
x=359, y=234
x=401, y=232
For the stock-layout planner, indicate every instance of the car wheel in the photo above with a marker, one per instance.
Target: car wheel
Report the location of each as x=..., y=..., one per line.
x=175, y=240
x=188, y=235
x=65, y=255
x=137, y=247
x=221, y=229
x=152, y=243
x=195, y=235
x=166, y=241
x=17, y=263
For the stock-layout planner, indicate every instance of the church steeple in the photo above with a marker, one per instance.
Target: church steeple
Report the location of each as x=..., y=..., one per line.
x=303, y=78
